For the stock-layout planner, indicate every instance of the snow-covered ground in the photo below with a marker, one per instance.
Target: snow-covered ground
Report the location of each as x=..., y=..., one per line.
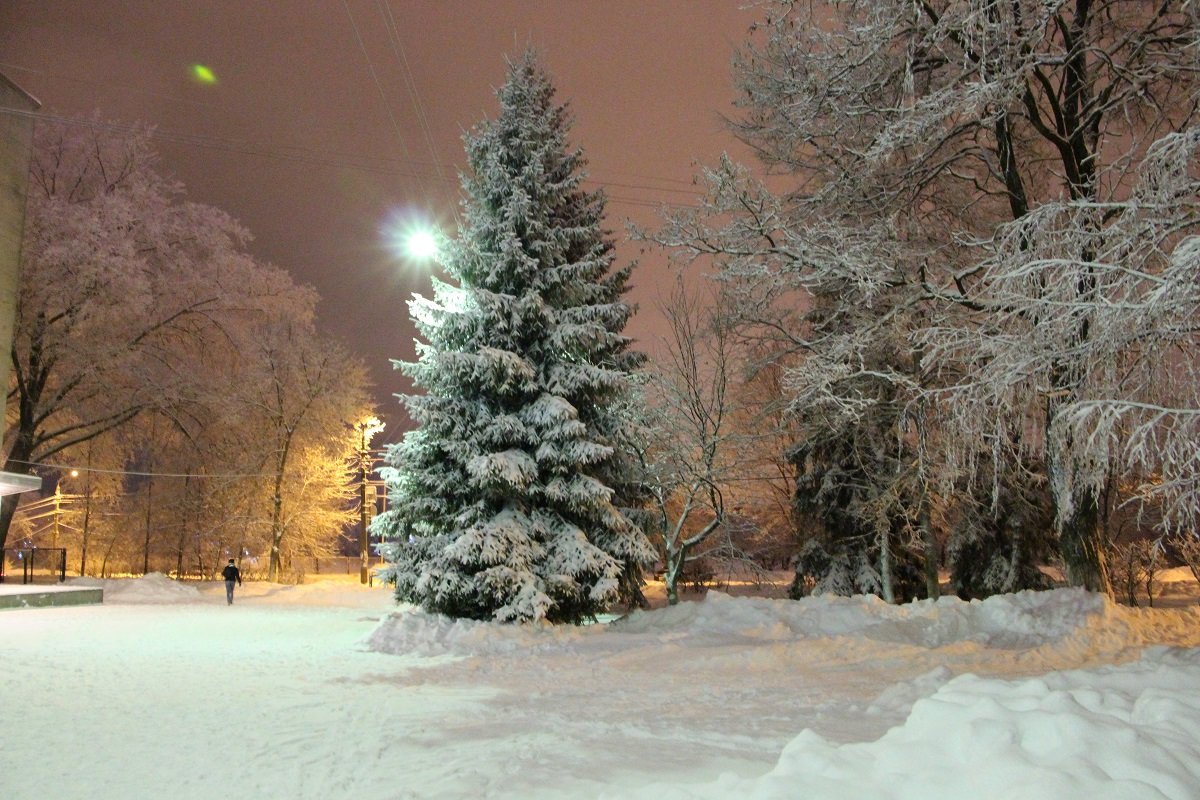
x=327, y=690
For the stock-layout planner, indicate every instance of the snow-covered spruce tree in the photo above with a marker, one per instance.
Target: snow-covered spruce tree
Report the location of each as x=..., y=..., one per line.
x=503, y=501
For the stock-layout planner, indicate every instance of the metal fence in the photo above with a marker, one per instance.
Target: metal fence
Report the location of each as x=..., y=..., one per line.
x=34, y=565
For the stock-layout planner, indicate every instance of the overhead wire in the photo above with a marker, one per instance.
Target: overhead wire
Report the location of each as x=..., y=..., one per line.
x=437, y=164
x=324, y=157
x=375, y=453
x=405, y=165
x=375, y=77
x=299, y=153
x=393, y=31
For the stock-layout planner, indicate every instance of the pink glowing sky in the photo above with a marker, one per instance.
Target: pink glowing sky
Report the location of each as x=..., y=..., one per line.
x=327, y=118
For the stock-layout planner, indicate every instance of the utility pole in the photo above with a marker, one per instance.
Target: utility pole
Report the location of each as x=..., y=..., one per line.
x=366, y=429
x=57, y=511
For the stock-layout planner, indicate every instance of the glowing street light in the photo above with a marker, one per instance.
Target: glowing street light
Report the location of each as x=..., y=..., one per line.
x=408, y=236
x=421, y=245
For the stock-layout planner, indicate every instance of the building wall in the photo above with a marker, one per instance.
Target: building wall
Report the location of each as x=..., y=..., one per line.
x=16, y=143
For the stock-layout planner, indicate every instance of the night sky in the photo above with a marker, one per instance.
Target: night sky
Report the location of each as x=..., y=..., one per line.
x=327, y=118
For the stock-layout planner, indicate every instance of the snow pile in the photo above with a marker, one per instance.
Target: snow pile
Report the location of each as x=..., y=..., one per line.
x=156, y=588
x=867, y=693
x=411, y=631
x=1027, y=620
x=1114, y=733
x=901, y=696
x=153, y=587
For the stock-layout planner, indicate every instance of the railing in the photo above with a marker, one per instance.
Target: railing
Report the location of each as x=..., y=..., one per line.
x=45, y=563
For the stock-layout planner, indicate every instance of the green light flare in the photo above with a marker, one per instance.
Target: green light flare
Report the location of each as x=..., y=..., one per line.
x=202, y=74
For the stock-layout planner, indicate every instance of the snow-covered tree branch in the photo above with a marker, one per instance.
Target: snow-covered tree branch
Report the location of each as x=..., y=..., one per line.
x=951, y=187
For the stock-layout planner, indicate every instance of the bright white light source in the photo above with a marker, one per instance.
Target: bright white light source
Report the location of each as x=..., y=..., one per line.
x=411, y=237
x=421, y=244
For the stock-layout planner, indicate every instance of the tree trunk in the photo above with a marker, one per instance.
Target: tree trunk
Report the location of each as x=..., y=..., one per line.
x=885, y=567
x=108, y=552
x=149, y=519
x=933, y=586
x=87, y=516
x=676, y=559
x=1080, y=542
x=8, y=508
x=273, y=568
x=276, y=527
x=179, y=555
x=1081, y=545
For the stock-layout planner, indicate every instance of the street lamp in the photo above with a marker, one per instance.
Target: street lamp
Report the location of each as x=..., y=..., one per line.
x=365, y=428
x=421, y=244
x=411, y=238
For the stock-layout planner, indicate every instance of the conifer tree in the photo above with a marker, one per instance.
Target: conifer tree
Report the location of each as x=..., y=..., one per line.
x=502, y=500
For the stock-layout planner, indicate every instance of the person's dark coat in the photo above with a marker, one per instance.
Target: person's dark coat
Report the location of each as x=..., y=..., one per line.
x=231, y=573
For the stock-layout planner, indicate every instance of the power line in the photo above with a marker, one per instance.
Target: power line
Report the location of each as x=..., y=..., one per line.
x=284, y=153
x=375, y=77
x=107, y=85
x=324, y=157
x=139, y=474
x=393, y=32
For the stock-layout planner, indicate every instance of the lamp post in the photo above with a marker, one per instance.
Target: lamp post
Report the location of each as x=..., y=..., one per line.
x=366, y=429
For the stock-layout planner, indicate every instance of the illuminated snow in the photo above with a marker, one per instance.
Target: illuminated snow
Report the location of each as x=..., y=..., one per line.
x=326, y=690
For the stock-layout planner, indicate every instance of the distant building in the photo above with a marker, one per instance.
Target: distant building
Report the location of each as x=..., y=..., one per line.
x=16, y=146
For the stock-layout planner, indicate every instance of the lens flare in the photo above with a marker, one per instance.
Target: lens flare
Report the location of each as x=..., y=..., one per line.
x=202, y=74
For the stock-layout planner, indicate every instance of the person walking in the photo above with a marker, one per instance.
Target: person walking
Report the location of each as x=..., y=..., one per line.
x=232, y=575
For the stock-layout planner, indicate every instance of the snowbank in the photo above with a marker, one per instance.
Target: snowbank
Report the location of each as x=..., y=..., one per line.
x=1125, y=728
x=1024, y=621
x=153, y=587
x=1118, y=733
x=156, y=588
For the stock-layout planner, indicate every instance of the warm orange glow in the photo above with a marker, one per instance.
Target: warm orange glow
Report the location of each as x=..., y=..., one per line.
x=368, y=428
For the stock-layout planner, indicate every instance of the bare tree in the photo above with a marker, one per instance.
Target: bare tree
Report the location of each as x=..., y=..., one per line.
x=692, y=440
x=1110, y=291
x=304, y=393
x=142, y=322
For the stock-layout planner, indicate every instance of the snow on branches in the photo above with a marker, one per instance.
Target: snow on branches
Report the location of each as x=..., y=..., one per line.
x=506, y=502
x=974, y=238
